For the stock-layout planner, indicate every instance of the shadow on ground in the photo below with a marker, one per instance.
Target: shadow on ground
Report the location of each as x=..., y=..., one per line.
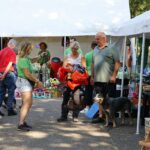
x=48, y=134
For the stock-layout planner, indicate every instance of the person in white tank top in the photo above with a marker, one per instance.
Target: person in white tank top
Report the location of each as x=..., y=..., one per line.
x=72, y=59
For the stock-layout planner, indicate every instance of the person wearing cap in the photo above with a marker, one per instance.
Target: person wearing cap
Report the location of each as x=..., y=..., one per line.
x=8, y=75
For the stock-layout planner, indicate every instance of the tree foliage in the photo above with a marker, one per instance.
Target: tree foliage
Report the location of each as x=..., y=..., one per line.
x=139, y=6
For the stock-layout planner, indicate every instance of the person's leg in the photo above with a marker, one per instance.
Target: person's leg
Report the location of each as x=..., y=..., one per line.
x=112, y=90
x=2, y=94
x=25, y=88
x=88, y=99
x=75, y=115
x=64, y=109
x=100, y=88
x=10, y=83
x=26, y=105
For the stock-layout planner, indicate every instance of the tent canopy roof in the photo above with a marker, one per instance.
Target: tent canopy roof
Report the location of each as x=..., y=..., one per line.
x=134, y=27
x=22, y=18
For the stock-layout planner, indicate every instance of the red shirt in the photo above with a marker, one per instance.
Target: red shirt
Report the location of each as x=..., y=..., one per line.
x=7, y=55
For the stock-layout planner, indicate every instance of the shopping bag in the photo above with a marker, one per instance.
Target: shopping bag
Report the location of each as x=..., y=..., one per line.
x=93, y=110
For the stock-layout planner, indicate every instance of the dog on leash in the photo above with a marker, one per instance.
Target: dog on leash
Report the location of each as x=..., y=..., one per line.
x=110, y=106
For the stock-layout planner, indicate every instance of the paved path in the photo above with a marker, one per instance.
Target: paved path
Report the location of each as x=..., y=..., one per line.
x=47, y=134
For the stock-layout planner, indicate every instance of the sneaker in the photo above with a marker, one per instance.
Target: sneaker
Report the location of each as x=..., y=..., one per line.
x=26, y=125
x=12, y=113
x=85, y=110
x=98, y=120
x=22, y=127
x=75, y=120
x=61, y=119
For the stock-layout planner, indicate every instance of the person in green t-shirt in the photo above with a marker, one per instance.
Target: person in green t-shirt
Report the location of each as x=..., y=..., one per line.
x=25, y=83
x=68, y=50
x=89, y=87
x=89, y=57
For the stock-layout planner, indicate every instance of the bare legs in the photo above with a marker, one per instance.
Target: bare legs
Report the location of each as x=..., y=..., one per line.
x=26, y=105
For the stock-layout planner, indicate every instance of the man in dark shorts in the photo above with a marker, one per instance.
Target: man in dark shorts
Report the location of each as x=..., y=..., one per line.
x=105, y=67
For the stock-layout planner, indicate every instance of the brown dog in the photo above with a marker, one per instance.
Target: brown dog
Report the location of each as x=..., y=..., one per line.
x=110, y=106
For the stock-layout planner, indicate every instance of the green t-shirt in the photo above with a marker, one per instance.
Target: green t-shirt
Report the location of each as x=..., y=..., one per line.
x=88, y=58
x=68, y=51
x=44, y=58
x=22, y=64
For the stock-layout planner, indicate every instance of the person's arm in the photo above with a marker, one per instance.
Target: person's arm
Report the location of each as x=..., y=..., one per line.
x=83, y=62
x=35, y=59
x=116, y=68
x=29, y=76
x=40, y=54
x=65, y=62
x=92, y=74
x=6, y=70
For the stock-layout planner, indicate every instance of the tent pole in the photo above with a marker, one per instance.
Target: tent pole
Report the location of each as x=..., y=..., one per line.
x=136, y=66
x=110, y=39
x=140, y=86
x=1, y=42
x=137, y=40
x=124, y=56
x=64, y=43
x=133, y=47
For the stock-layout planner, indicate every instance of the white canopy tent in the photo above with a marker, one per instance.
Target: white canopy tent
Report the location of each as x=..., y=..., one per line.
x=26, y=18
x=138, y=26
x=134, y=27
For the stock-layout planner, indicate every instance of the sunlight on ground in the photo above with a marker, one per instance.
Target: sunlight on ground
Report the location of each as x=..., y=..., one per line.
x=86, y=128
x=105, y=144
x=22, y=147
x=5, y=126
x=68, y=129
x=39, y=109
x=37, y=134
x=96, y=133
x=1, y=139
x=62, y=145
x=73, y=135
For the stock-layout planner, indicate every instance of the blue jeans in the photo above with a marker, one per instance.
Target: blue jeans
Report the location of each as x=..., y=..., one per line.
x=8, y=85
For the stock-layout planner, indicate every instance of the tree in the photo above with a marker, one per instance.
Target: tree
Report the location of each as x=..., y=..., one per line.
x=138, y=6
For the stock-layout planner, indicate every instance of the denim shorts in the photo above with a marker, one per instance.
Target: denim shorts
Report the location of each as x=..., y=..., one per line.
x=23, y=85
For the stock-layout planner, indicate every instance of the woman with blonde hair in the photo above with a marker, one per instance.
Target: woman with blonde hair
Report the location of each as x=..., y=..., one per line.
x=25, y=83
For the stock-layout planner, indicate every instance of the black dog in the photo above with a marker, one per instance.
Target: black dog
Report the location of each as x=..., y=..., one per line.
x=114, y=105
